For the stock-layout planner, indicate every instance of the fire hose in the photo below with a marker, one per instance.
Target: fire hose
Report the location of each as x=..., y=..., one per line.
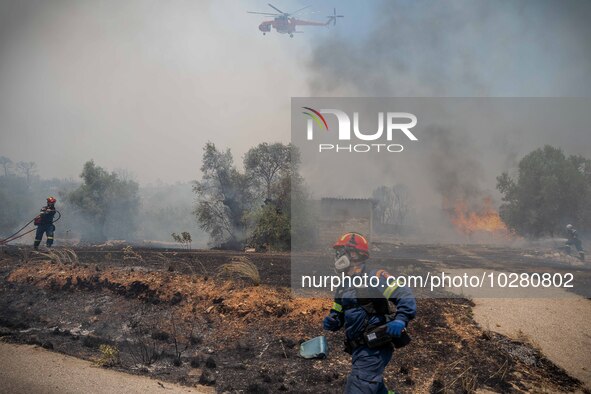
x=18, y=234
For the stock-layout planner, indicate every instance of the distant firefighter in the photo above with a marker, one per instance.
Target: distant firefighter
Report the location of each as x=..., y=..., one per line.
x=574, y=240
x=44, y=223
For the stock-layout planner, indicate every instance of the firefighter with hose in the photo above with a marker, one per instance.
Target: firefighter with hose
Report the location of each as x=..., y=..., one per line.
x=574, y=240
x=44, y=223
x=372, y=330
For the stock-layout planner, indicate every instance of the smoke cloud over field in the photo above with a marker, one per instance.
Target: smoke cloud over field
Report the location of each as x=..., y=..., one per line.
x=139, y=84
x=462, y=49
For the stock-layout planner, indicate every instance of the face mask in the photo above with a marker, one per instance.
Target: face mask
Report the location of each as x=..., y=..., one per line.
x=342, y=264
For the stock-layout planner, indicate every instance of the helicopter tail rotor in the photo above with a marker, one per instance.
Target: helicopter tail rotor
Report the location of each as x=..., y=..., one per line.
x=333, y=18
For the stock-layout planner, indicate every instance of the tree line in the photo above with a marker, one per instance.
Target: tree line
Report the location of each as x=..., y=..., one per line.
x=252, y=206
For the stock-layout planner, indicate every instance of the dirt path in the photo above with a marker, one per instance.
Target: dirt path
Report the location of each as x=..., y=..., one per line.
x=29, y=369
x=555, y=321
x=560, y=328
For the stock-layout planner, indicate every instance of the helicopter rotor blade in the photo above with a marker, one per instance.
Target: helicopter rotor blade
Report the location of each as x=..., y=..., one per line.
x=262, y=13
x=277, y=9
x=301, y=9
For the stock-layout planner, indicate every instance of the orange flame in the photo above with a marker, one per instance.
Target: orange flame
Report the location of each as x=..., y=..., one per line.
x=484, y=219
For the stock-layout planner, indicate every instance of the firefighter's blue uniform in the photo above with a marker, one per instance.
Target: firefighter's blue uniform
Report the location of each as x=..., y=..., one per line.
x=45, y=226
x=573, y=239
x=368, y=364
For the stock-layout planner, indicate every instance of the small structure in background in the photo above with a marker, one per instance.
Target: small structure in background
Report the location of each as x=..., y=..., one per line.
x=341, y=215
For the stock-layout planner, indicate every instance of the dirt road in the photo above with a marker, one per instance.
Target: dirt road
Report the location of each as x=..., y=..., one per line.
x=30, y=369
x=560, y=328
x=555, y=321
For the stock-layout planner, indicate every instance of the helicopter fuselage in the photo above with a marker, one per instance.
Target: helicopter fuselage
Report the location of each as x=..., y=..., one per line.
x=281, y=25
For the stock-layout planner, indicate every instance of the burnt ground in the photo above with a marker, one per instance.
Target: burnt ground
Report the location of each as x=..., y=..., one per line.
x=171, y=317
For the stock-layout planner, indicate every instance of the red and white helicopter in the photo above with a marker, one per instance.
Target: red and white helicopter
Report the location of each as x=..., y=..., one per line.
x=286, y=23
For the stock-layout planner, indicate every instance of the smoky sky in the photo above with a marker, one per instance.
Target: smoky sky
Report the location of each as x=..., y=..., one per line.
x=461, y=48
x=141, y=85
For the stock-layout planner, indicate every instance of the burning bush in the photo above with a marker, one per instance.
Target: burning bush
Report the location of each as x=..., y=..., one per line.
x=470, y=219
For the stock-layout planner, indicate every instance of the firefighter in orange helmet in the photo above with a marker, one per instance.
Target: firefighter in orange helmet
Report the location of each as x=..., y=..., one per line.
x=361, y=310
x=44, y=223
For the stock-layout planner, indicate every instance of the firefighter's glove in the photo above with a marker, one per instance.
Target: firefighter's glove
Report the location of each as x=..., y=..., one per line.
x=331, y=323
x=395, y=328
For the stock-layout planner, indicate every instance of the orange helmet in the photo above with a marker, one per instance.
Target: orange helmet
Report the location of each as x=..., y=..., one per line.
x=51, y=200
x=353, y=241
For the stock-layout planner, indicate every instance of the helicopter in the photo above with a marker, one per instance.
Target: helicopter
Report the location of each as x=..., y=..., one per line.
x=286, y=23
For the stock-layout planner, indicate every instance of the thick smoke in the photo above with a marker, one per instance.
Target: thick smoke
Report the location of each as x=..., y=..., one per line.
x=140, y=84
x=454, y=171
x=462, y=49
x=159, y=210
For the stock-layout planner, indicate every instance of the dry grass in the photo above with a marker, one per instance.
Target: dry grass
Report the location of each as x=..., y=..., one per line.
x=109, y=356
x=241, y=267
x=131, y=255
x=61, y=256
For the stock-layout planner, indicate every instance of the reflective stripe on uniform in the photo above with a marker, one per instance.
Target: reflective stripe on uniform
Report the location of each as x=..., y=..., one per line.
x=49, y=237
x=388, y=292
x=337, y=307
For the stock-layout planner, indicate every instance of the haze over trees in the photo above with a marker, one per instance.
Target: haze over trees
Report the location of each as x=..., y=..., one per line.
x=109, y=204
x=150, y=212
x=549, y=191
x=27, y=169
x=224, y=197
x=23, y=193
x=17, y=203
x=167, y=208
x=6, y=164
x=393, y=207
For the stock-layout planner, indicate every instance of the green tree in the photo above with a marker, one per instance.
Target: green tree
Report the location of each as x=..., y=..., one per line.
x=550, y=190
x=224, y=197
x=273, y=168
x=266, y=164
x=108, y=204
x=272, y=228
